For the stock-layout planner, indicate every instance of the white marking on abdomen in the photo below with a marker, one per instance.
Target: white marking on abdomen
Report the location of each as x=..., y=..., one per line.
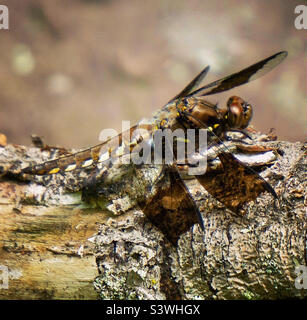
x=70, y=167
x=87, y=163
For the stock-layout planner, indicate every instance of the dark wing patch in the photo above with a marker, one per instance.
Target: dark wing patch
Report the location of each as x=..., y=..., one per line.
x=234, y=184
x=251, y=73
x=172, y=208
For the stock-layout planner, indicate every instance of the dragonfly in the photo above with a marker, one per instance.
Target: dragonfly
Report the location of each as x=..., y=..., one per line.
x=171, y=208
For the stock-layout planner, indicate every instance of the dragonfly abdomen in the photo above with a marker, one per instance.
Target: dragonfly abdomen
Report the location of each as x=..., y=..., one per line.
x=68, y=163
x=102, y=153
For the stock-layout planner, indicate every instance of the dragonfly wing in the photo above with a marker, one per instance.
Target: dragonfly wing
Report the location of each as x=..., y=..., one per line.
x=251, y=73
x=235, y=184
x=192, y=85
x=172, y=208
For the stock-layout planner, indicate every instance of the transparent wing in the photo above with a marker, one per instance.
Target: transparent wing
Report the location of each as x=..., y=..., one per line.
x=192, y=85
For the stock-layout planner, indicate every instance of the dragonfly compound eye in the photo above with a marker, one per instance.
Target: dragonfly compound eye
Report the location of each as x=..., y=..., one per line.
x=239, y=113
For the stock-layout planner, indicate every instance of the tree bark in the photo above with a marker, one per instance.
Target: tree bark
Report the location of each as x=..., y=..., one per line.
x=54, y=246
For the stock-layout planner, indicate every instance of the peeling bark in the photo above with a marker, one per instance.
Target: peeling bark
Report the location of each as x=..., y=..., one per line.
x=58, y=247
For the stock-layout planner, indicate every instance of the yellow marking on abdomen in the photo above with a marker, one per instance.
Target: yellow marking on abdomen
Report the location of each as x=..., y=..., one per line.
x=120, y=151
x=133, y=143
x=54, y=170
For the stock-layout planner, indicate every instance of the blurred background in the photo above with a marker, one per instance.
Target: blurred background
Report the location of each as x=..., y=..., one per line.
x=72, y=68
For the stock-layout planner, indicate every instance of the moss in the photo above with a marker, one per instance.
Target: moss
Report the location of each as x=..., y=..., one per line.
x=43, y=227
x=270, y=266
x=248, y=295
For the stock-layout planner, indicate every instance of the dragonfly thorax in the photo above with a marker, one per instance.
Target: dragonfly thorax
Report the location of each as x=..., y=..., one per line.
x=197, y=113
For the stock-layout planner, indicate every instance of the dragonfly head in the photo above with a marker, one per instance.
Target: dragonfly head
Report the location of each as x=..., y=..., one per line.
x=239, y=113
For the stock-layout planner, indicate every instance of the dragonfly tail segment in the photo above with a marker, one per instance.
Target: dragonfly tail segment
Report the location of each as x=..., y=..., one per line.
x=68, y=163
x=111, y=148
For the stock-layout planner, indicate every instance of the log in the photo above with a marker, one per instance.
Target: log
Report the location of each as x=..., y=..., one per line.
x=44, y=248
x=53, y=245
